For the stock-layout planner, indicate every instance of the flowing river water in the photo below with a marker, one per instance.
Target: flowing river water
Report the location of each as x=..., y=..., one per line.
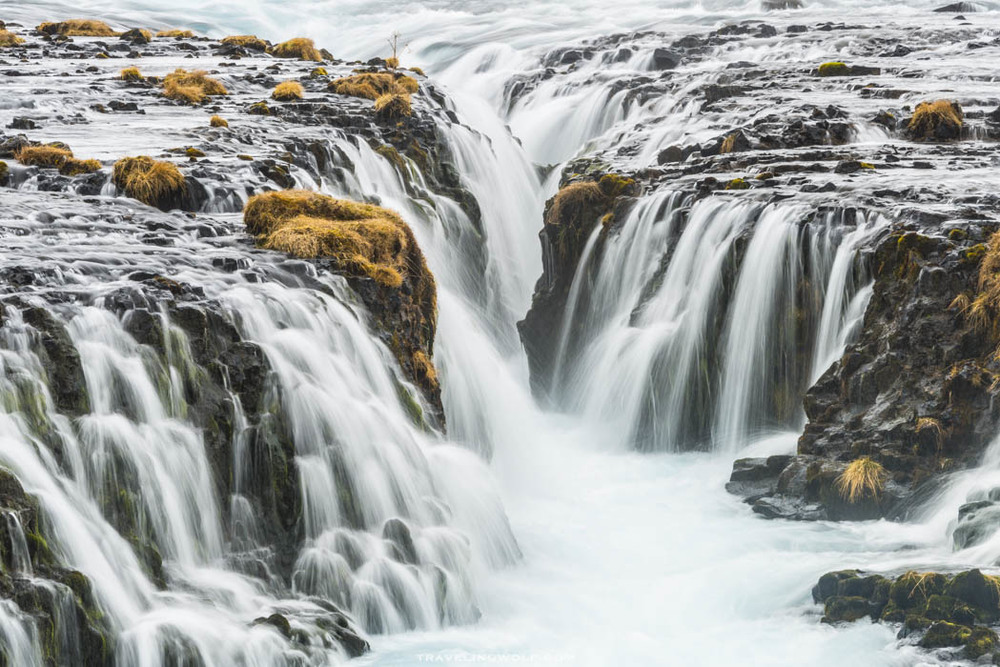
x=618, y=548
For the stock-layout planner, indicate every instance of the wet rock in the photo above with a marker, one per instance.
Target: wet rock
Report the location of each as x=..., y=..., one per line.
x=842, y=608
x=398, y=533
x=61, y=361
x=977, y=522
x=277, y=621
x=135, y=36
x=22, y=123
x=665, y=59
x=958, y=8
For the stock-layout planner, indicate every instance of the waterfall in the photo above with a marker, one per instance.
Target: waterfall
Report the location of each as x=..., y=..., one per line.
x=591, y=530
x=697, y=325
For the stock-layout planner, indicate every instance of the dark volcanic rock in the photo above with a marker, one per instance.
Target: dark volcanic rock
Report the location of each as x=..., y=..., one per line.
x=570, y=218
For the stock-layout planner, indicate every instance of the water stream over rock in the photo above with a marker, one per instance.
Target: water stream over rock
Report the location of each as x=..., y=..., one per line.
x=213, y=454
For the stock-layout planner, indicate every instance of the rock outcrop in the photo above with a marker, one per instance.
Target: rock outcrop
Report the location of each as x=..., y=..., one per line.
x=571, y=217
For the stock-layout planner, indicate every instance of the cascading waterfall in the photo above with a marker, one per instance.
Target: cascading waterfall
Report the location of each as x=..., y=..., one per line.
x=396, y=522
x=712, y=321
x=691, y=324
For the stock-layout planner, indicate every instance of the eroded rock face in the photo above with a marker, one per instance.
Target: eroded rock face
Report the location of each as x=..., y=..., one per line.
x=48, y=591
x=915, y=391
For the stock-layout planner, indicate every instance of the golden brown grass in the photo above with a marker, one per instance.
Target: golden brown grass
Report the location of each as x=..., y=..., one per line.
x=392, y=62
x=286, y=91
x=218, y=121
x=175, y=33
x=934, y=426
x=77, y=28
x=572, y=198
x=424, y=369
x=265, y=212
x=8, y=38
x=298, y=47
x=393, y=106
x=74, y=166
x=728, y=144
x=362, y=239
x=43, y=156
x=191, y=87
x=417, y=70
x=148, y=180
x=983, y=310
x=252, y=42
x=929, y=116
x=372, y=85
x=131, y=74
x=862, y=478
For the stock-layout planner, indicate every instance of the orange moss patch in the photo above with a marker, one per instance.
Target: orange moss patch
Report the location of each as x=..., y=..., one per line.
x=299, y=47
x=218, y=121
x=78, y=28
x=191, y=87
x=287, y=91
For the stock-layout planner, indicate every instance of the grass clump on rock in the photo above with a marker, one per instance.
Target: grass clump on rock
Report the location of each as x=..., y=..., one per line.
x=863, y=478
x=44, y=156
x=286, y=91
x=834, y=69
x=131, y=74
x=362, y=239
x=372, y=85
x=298, y=47
x=218, y=121
x=152, y=182
x=983, y=310
x=74, y=167
x=7, y=38
x=191, y=87
x=940, y=120
x=393, y=106
x=252, y=42
x=175, y=33
x=77, y=28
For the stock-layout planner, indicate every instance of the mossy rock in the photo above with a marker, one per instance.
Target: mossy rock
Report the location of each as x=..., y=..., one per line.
x=891, y=613
x=943, y=634
x=981, y=641
x=978, y=591
x=913, y=589
x=276, y=621
x=845, y=608
x=833, y=69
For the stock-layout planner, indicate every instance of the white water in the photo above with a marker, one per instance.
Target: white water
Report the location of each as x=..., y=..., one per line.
x=627, y=558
